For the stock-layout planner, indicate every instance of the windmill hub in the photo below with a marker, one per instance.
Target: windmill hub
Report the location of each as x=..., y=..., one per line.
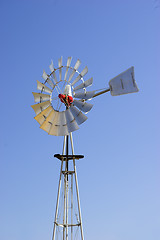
x=66, y=97
x=67, y=100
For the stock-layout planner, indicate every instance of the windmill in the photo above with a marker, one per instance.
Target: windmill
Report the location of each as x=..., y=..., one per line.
x=61, y=106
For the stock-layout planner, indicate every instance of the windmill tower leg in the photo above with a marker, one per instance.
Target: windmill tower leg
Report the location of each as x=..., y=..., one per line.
x=59, y=187
x=77, y=191
x=66, y=225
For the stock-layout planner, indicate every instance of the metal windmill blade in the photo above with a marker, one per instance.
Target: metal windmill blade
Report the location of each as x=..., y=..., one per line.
x=40, y=97
x=84, y=84
x=60, y=68
x=41, y=87
x=78, y=63
x=39, y=107
x=47, y=79
x=84, y=95
x=67, y=67
x=83, y=106
x=52, y=69
x=81, y=75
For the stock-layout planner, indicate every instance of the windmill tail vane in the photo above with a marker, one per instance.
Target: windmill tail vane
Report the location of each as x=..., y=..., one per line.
x=61, y=106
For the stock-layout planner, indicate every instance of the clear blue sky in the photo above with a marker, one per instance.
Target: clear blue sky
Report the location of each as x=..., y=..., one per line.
x=119, y=178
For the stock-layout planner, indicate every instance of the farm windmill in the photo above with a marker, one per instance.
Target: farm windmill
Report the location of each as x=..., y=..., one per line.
x=60, y=108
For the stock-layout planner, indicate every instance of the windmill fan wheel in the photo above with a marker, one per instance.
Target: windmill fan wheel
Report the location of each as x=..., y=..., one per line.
x=62, y=103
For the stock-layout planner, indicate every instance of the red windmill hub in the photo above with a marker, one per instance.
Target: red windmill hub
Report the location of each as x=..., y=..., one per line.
x=67, y=100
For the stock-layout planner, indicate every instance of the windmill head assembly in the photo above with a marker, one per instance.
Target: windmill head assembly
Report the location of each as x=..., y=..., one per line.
x=61, y=106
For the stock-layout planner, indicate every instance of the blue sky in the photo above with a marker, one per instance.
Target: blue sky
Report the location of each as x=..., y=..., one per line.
x=119, y=178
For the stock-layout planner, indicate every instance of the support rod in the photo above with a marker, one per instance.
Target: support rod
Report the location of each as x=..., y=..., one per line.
x=99, y=93
x=59, y=186
x=79, y=208
x=64, y=211
x=66, y=176
x=71, y=206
